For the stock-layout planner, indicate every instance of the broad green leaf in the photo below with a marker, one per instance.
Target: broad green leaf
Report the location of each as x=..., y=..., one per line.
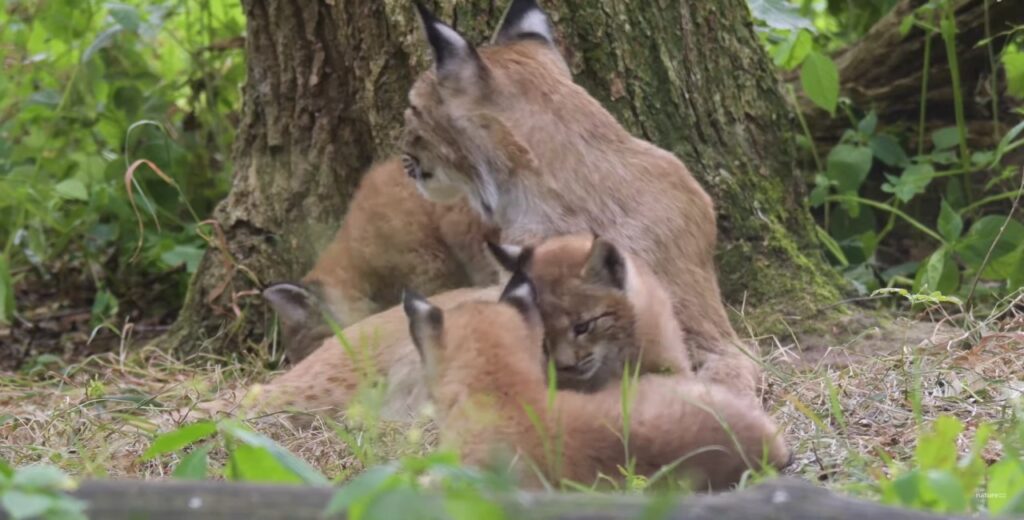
x=20, y=504
x=1008, y=140
x=255, y=464
x=946, y=490
x=194, y=465
x=472, y=505
x=286, y=459
x=6, y=292
x=1006, y=479
x=914, y=180
x=125, y=15
x=906, y=24
x=867, y=125
x=821, y=188
x=354, y=497
x=848, y=166
x=41, y=477
x=183, y=254
x=946, y=138
x=936, y=449
x=820, y=80
x=938, y=273
x=779, y=14
x=791, y=53
x=888, y=150
x=1013, y=64
x=101, y=41
x=975, y=244
x=950, y=224
x=72, y=189
x=177, y=439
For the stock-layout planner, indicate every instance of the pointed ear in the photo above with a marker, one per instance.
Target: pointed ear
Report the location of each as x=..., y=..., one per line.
x=294, y=303
x=455, y=59
x=605, y=265
x=525, y=19
x=425, y=321
x=512, y=258
x=521, y=294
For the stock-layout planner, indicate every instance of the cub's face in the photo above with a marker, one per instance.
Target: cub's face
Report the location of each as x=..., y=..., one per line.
x=588, y=332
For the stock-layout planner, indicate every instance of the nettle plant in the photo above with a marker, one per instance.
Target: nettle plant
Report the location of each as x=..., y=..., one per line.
x=869, y=182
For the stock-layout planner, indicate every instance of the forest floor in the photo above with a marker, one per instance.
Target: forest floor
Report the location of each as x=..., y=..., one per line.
x=847, y=402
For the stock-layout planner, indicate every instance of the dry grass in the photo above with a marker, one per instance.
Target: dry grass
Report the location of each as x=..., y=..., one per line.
x=97, y=417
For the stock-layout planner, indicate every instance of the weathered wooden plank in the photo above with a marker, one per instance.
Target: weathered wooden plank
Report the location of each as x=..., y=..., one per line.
x=172, y=500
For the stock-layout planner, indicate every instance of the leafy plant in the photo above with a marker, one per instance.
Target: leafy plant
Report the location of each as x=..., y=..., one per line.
x=37, y=492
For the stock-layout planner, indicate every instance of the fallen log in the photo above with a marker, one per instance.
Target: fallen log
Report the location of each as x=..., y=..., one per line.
x=167, y=500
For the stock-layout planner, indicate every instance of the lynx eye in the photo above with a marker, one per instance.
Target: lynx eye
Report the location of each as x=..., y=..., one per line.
x=582, y=328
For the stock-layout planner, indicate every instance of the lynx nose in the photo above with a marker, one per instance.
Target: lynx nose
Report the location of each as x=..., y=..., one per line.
x=564, y=358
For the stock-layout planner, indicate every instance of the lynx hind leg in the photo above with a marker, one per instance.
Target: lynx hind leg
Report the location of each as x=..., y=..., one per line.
x=466, y=236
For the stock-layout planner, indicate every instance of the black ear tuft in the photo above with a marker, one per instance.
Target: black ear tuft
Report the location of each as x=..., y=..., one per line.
x=605, y=265
x=425, y=319
x=521, y=294
x=512, y=258
x=452, y=53
x=293, y=302
x=525, y=19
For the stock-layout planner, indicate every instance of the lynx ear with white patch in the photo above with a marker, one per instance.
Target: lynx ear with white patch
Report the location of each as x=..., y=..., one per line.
x=606, y=265
x=293, y=303
x=511, y=258
x=525, y=19
x=521, y=294
x=426, y=321
x=454, y=57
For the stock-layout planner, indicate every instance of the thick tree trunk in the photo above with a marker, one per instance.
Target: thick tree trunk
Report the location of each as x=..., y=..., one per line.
x=327, y=85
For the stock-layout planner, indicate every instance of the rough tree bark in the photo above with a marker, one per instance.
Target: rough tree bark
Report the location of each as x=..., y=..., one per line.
x=327, y=85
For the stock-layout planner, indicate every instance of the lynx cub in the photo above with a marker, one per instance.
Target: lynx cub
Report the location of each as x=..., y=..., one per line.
x=391, y=237
x=486, y=406
x=601, y=308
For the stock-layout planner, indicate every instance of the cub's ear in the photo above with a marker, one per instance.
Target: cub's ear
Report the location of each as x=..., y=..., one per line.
x=454, y=58
x=294, y=303
x=605, y=265
x=525, y=19
x=512, y=258
x=521, y=294
x=426, y=321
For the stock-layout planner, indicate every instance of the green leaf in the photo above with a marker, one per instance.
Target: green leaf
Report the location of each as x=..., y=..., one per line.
x=20, y=504
x=937, y=449
x=1008, y=140
x=888, y=150
x=297, y=466
x=939, y=273
x=1013, y=64
x=950, y=224
x=946, y=138
x=125, y=15
x=906, y=24
x=255, y=464
x=41, y=477
x=820, y=80
x=177, y=439
x=779, y=14
x=6, y=292
x=354, y=497
x=194, y=465
x=183, y=254
x=867, y=125
x=848, y=166
x=947, y=490
x=791, y=53
x=973, y=247
x=914, y=180
x=72, y=189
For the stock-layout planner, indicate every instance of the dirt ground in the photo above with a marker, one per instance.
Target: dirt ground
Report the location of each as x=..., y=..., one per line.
x=97, y=416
